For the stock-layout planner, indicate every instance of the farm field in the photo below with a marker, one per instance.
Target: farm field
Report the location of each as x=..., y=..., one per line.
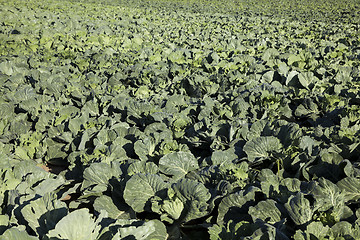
x=169, y=119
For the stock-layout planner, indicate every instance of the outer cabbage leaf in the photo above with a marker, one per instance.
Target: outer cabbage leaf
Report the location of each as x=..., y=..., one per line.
x=308, y=145
x=97, y=176
x=299, y=209
x=268, y=231
x=267, y=211
x=4, y=222
x=288, y=132
x=261, y=147
x=145, y=148
x=49, y=185
x=350, y=186
x=35, y=179
x=345, y=230
x=292, y=79
x=195, y=197
x=56, y=154
x=256, y=129
x=153, y=229
x=173, y=208
x=288, y=187
x=178, y=164
x=232, y=230
x=314, y=229
x=269, y=182
x=7, y=68
x=29, y=171
x=141, y=188
x=16, y=234
x=327, y=195
x=223, y=157
x=142, y=167
x=235, y=205
x=78, y=224
x=307, y=109
x=7, y=179
x=134, y=229
x=106, y=203
x=43, y=213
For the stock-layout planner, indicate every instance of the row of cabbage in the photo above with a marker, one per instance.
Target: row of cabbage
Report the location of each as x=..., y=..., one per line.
x=179, y=120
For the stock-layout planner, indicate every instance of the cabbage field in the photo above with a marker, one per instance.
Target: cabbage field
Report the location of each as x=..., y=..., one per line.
x=179, y=119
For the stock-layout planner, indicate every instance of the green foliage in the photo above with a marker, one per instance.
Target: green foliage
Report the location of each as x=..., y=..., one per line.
x=172, y=119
